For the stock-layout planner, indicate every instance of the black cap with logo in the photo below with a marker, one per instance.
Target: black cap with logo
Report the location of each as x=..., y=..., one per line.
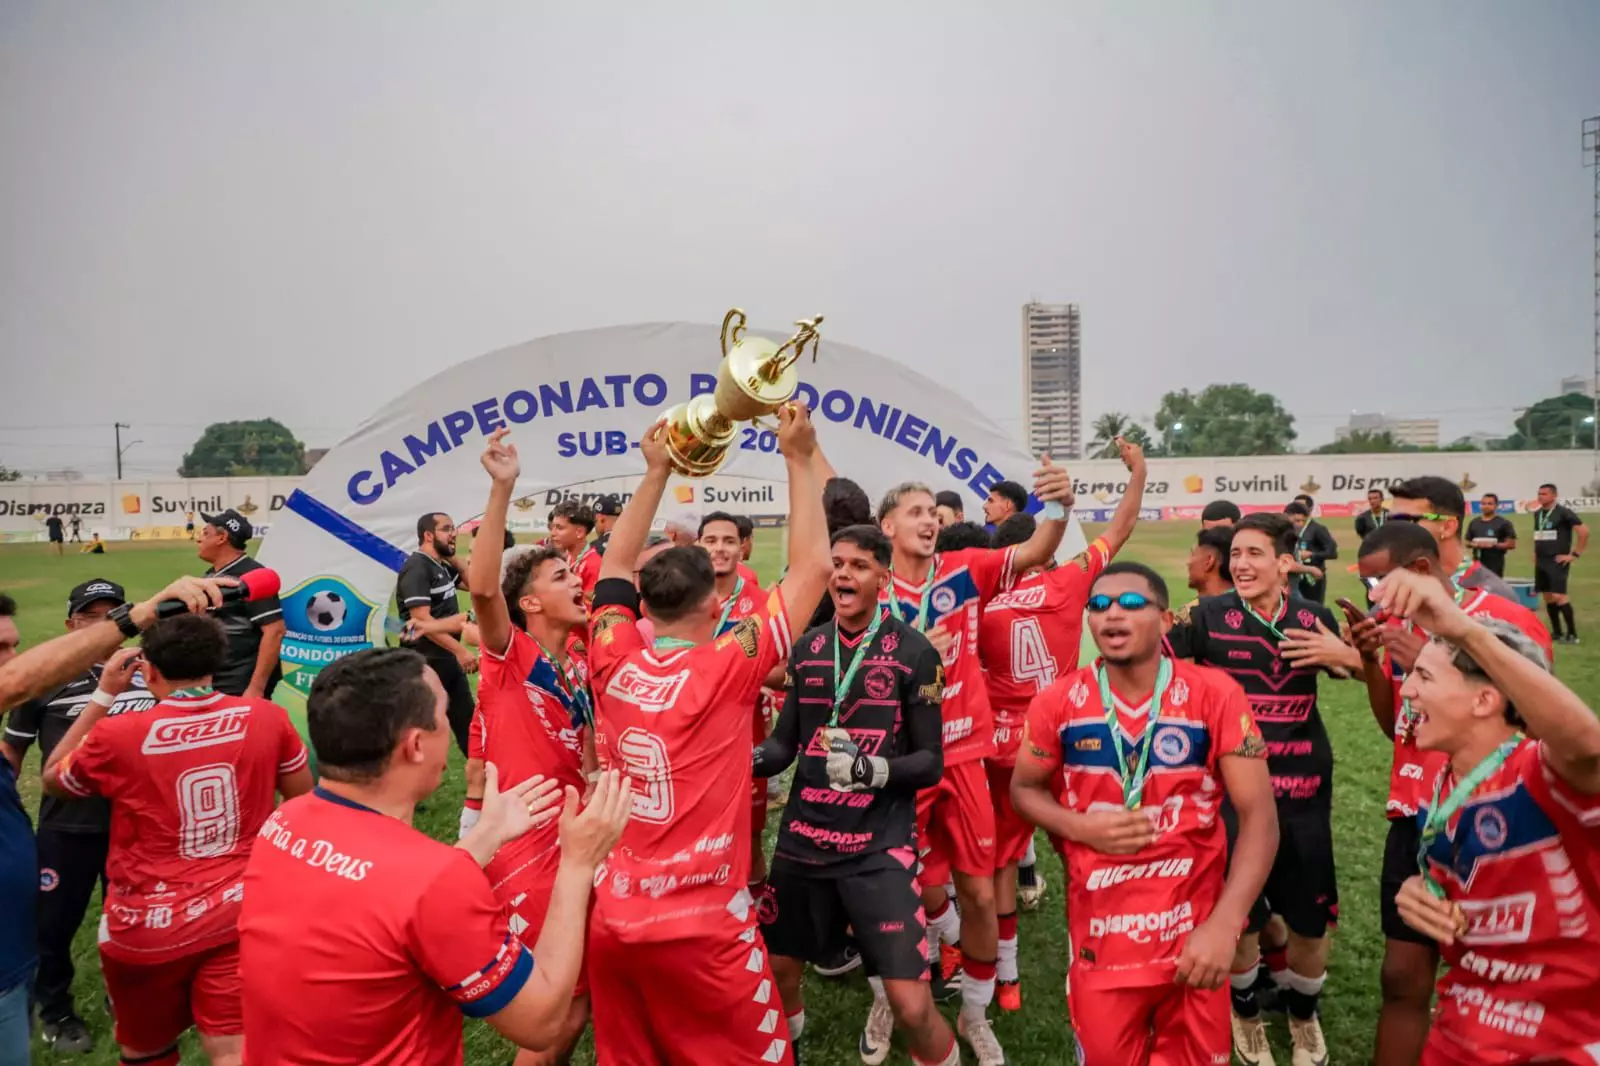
x=95, y=590
x=609, y=505
x=231, y=522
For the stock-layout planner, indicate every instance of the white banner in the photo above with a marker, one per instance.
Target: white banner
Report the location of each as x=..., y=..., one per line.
x=577, y=404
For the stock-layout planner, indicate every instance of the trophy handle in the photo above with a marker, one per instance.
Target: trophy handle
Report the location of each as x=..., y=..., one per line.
x=796, y=347
x=738, y=330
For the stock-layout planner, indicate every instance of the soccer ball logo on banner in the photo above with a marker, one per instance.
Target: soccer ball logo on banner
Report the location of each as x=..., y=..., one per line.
x=324, y=619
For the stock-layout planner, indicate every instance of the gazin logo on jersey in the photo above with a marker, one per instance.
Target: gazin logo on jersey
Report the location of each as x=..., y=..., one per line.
x=324, y=619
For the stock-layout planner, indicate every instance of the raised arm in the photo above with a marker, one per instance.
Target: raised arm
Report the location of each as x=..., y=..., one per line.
x=1127, y=513
x=55, y=662
x=1052, y=485
x=628, y=536
x=810, y=559
x=483, y=569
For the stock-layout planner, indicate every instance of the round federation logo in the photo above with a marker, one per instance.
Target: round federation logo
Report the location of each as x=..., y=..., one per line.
x=1172, y=745
x=944, y=599
x=48, y=879
x=1491, y=828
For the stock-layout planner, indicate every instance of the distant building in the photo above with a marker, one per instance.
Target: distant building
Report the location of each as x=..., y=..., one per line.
x=1578, y=385
x=1052, y=399
x=1415, y=432
x=63, y=475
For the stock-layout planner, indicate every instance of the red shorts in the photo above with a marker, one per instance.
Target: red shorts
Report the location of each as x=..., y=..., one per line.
x=1172, y=1025
x=154, y=1003
x=527, y=900
x=1011, y=831
x=687, y=1002
x=955, y=825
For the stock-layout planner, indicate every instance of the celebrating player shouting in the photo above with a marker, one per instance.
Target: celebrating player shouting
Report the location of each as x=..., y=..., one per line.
x=680, y=974
x=942, y=595
x=1028, y=637
x=534, y=712
x=1142, y=741
x=1510, y=839
x=862, y=716
x=1410, y=959
x=1272, y=641
x=190, y=782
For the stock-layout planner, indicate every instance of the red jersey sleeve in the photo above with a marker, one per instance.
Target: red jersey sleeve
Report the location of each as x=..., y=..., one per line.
x=1573, y=811
x=759, y=642
x=477, y=734
x=613, y=630
x=589, y=572
x=91, y=769
x=1041, y=736
x=1095, y=558
x=460, y=939
x=292, y=753
x=991, y=569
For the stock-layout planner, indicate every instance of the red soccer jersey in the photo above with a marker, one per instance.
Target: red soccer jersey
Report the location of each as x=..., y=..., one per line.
x=362, y=940
x=962, y=582
x=525, y=725
x=190, y=782
x=587, y=566
x=1522, y=858
x=1029, y=636
x=749, y=575
x=675, y=720
x=1129, y=914
x=1413, y=771
x=742, y=604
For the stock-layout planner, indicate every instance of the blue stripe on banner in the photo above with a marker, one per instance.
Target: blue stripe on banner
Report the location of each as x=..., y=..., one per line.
x=330, y=521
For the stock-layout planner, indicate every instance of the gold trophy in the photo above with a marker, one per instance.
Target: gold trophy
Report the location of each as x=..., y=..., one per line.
x=757, y=376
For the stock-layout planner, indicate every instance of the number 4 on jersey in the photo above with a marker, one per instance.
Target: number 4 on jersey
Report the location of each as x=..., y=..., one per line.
x=1030, y=655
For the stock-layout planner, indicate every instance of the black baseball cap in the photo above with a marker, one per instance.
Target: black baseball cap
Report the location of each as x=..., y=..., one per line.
x=609, y=505
x=95, y=590
x=236, y=525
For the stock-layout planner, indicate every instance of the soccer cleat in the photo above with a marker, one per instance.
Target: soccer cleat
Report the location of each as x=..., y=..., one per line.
x=945, y=991
x=875, y=1038
x=1028, y=896
x=849, y=958
x=1009, y=995
x=949, y=960
x=68, y=1036
x=1309, y=1047
x=1250, y=1045
x=979, y=1035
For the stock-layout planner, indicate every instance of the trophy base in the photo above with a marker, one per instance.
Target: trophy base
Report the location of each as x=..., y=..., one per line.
x=697, y=439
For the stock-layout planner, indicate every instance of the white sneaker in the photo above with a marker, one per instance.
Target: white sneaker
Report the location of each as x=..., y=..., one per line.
x=875, y=1038
x=979, y=1035
x=1028, y=896
x=1309, y=1047
x=1250, y=1041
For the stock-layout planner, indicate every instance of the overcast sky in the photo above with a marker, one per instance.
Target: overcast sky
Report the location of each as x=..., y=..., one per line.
x=298, y=210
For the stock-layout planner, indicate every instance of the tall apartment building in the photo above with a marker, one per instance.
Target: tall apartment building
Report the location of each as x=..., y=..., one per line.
x=1052, y=401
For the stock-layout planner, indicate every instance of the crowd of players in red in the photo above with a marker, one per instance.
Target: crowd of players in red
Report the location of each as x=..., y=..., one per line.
x=610, y=872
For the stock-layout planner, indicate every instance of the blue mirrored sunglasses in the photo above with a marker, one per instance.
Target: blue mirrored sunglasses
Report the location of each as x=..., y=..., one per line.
x=1128, y=601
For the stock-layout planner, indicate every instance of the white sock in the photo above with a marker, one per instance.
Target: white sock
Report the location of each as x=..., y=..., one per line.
x=952, y=1059
x=1244, y=980
x=1006, y=962
x=945, y=929
x=797, y=1024
x=1031, y=858
x=976, y=997
x=877, y=988
x=1306, y=986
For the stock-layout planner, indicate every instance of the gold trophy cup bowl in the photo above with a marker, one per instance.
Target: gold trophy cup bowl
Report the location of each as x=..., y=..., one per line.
x=757, y=376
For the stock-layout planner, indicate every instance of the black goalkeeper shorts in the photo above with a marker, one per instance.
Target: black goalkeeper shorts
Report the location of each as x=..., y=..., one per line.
x=804, y=916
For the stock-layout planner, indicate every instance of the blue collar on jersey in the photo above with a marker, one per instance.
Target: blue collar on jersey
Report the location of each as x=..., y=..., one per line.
x=322, y=793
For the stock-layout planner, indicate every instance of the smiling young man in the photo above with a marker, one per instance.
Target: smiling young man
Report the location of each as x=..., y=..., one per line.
x=1145, y=747
x=942, y=595
x=1029, y=636
x=862, y=718
x=1249, y=633
x=534, y=716
x=1510, y=839
x=1410, y=959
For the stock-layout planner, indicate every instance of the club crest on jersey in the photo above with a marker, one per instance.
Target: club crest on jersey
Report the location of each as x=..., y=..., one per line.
x=602, y=624
x=196, y=731
x=817, y=643
x=647, y=692
x=890, y=642
x=879, y=682
x=1172, y=744
x=1179, y=693
x=1490, y=826
x=1307, y=620
x=1235, y=619
x=1078, y=694
x=943, y=599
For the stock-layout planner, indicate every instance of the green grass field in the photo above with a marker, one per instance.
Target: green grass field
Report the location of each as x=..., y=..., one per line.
x=836, y=1010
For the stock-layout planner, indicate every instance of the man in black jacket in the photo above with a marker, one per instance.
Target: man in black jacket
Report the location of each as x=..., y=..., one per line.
x=1314, y=547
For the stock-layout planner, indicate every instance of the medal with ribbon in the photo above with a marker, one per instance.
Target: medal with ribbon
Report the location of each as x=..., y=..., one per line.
x=920, y=621
x=838, y=740
x=1439, y=814
x=1133, y=779
x=559, y=679
x=727, y=608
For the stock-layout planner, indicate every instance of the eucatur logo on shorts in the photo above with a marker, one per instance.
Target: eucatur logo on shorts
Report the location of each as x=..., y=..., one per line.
x=645, y=691
x=196, y=731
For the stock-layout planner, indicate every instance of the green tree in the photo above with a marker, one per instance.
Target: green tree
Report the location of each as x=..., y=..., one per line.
x=1224, y=420
x=264, y=447
x=1359, y=443
x=1113, y=424
x=8, y=474
x=1553, y=423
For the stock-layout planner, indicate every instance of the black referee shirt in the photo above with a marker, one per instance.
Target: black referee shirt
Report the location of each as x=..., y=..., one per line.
x=242, y=623
x=431, y=583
